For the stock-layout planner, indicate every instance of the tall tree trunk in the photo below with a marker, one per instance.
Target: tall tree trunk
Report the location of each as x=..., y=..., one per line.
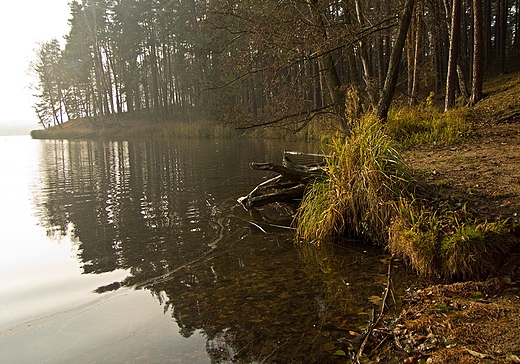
x=451, y=82
x=351, y=57
x=516, y=43
x=478, y=61
x=418, y=55
x=500, y=33
x=334, y=85
x=328, y=69
x=437, y=51
x=393, y=67
x=155, y=82
x=410, y=56
x=486, y=30
x=365, y=59
x=463, y=86
x=381, y=63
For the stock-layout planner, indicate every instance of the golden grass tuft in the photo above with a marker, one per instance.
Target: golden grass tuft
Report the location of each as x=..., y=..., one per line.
x=413, y=236
x=364, y=177
x=474, y=250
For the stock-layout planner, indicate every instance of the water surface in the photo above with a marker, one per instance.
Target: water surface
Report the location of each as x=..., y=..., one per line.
x=136, y=251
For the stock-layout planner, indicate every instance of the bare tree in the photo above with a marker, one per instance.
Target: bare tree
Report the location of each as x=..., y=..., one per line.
x=393, y=68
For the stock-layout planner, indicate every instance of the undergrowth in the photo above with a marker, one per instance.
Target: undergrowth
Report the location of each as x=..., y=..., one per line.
x=427, y=125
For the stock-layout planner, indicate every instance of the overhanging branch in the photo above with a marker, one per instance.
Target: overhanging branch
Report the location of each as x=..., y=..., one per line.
x=309, y=113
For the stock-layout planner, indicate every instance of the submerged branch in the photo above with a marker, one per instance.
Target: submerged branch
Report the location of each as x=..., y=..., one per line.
x=379, y=317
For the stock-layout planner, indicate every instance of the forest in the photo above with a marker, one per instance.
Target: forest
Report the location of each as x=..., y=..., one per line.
x=254, y=63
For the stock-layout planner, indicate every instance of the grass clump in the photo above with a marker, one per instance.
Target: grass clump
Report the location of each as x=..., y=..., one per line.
x=438, y=244
x=365, y=175
x=474, y=250
x=413, y=236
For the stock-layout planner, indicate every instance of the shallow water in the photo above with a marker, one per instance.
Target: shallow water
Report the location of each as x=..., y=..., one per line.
x=136, y=251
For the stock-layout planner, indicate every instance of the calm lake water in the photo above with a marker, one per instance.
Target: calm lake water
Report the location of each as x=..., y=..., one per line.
x=137, y=252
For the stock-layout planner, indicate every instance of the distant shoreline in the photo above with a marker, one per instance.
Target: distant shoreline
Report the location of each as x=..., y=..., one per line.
x=12, y=130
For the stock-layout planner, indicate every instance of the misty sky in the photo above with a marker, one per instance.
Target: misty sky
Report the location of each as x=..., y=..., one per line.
x=24, y=23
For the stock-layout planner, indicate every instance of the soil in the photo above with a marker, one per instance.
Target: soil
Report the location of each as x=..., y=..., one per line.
x=469, y=322
x=483, y=173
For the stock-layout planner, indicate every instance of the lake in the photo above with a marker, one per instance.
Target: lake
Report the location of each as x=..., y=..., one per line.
x=137, y=251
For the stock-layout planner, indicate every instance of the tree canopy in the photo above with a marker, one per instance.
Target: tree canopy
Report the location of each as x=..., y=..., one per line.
x=259, y=63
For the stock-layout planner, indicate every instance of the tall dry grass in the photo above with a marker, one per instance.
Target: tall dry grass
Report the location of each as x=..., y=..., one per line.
x=365, y=176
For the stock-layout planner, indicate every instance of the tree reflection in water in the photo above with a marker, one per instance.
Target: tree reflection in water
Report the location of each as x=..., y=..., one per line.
x=166, y=212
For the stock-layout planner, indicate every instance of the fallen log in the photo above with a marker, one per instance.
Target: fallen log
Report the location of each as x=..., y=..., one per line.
x=287, y=187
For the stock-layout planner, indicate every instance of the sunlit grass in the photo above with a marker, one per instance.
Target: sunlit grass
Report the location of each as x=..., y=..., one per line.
x=367, y=192
x=426, y=125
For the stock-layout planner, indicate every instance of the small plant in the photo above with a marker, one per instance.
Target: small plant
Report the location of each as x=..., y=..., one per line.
x=441, y=307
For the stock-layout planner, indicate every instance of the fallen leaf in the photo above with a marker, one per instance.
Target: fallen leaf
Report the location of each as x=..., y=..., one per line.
x=328, y=346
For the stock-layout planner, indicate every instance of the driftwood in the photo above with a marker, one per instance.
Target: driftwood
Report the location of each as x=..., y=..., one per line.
x=287, y=186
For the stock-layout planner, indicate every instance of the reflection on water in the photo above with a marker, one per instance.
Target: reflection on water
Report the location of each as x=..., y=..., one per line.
x=165, y=213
